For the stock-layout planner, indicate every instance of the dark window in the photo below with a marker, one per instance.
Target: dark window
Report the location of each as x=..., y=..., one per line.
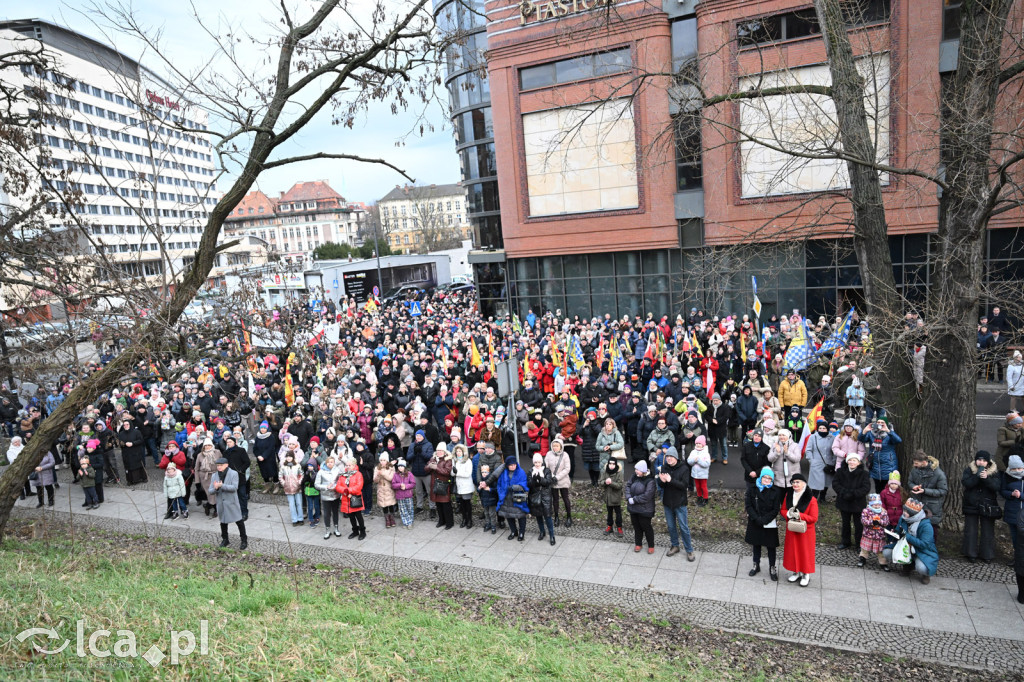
x=689, y=172
x=684, y=42
x=574, y=69
x=804, y=23
x=951, y=19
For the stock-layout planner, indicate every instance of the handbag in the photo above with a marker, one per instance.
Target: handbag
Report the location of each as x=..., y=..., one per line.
x=519, y=494
x=796, y=526
x=990, y=510
x=618, y=453
x=440, y=488
x=355, y=501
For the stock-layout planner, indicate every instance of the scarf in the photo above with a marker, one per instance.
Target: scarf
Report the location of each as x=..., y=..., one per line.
x=914, y=521
x=796, y=499
x=261, y=436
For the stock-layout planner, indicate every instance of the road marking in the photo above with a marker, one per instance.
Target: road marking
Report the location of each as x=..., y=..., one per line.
x=991, y=416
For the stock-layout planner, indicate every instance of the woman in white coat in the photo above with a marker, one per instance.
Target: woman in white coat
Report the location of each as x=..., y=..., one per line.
x=1015, y=381
x=785, y=458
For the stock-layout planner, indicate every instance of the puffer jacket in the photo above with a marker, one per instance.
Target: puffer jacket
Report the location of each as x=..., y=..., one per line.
x=291, y=479
x=385, y=494
x=882, y=455
x=588, y=434
x=559, y=469
x=642, y=491
x=980, y=491
x=792, y=393
x=1012, y=506
x=844, y=445
x=656, y=438
x=933, y=480
x=700, y=463
x=611, y=440
x=326, y=480
x=785, y=462
x=174, y=486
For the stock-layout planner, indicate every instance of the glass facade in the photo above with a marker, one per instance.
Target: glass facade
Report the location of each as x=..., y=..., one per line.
x=469, y=95
x=817, y=277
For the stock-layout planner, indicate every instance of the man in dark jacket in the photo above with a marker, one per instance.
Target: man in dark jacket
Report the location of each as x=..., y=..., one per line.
x=419, y=453
x=674, y=479
x=238, y=460
x=755, y=457
x=302, y=430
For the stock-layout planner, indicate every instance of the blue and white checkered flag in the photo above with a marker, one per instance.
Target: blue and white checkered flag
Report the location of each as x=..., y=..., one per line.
x=800, y=354
x=838, y=338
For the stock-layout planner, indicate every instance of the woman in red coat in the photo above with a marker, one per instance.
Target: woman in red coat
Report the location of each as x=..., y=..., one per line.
x=798, y=556
x=350, y=491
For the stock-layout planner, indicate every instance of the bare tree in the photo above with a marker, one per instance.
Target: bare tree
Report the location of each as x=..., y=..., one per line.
x=333, y=60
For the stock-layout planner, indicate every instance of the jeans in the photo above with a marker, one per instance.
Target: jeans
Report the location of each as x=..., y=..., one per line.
x=918, y=564
x=154, y=451
x=313, y=507
x=295, y=506
x=677, y=523
x=871, y=413
x=719, y=447
x=178, y=505
x=546, y=521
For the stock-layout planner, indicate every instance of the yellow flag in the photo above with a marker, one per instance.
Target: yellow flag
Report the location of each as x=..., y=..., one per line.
x=696, y=346
x=743, y=346
x=474, y=357
x=289, y=390
x=490, y=352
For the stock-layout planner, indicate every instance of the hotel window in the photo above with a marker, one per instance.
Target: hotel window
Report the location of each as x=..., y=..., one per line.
x=574, y=69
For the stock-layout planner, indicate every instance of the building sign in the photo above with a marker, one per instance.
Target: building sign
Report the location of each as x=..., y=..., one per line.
x=162, y=101
x=359, y=284
x=555, y=9
x=285, y=281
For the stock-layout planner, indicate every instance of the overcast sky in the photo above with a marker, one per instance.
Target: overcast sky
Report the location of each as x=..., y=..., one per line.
x=429, y=158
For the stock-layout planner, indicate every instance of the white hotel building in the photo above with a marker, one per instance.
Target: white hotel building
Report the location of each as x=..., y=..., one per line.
x=140, y=155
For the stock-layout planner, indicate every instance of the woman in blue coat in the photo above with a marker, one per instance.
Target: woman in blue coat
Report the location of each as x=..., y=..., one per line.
x=921, y=536
x=513, y=498
x=880, y=446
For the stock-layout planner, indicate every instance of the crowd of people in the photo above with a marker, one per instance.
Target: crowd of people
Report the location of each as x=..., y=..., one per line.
x=400, y=418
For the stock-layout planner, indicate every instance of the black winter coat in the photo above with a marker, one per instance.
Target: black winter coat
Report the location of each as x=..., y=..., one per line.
x=754, y=458
x=588, y=433
x=723, y=413
x=674, y=491
x=852, y=489
x=762, y=506
x=978, y=490
x=540, y=492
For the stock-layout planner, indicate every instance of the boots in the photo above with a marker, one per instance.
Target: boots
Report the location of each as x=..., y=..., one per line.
x=774, y=573
x=223, y=535
x=327, y=531
x=277, y=490
x=557, y=520
x=542, y=534
x=391, y=520
x=755, y=570
x=469, y=521
x=267, y=487
x=244, y=544
x=568, y=520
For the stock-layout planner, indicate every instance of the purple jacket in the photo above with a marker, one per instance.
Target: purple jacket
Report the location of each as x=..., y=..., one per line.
x=410, y=484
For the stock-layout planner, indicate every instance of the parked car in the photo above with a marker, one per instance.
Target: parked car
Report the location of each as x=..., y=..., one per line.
x=407, y=291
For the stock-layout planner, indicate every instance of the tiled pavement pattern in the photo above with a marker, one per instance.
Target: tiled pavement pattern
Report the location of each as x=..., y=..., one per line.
x=958, y=621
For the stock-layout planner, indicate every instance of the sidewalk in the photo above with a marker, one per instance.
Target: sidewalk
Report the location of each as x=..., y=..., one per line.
x=957, y=621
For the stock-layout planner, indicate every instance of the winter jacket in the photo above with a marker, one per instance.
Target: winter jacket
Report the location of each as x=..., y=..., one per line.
x=1012, y=506
x=613, y=441
x=1007, y=439
x=700, y=463
x=326, y=481
x=440, y=470
x=933, y=480
x=291, y=479
x=723, y=413
x=656, y=438
x=923, y=543
x=403, y=485
x=540, y=492
x=762, y=508
x=674, y=491
x=792, y=393
x=785, y=462
x=746, y=408
x=753, y=459
x=819, y=455
x=852, y=488
x=892, y=500
x=384, y=493
x=418, y=455
x=640, y=495
x=228, y=508
x=349, y=484
x=174, y=486
x=613, y=490
x=843, y=445
x=882, y=453
x=980, y=491
x=558, y=463
x=507, y=484
x=588, y=433
x=464, y=477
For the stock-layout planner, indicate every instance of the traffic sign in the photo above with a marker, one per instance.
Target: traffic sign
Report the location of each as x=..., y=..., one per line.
x=335, y=284
x=757, y=307
x=376, y=291
x=414, y=309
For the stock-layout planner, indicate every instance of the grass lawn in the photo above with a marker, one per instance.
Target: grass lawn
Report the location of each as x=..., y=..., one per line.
x=272, y=618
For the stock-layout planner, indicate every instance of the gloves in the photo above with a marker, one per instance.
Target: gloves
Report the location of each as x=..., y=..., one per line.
x=630, y=500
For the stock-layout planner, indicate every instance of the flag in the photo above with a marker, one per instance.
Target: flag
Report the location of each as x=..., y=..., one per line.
x=839, y=337
x=371, y=307
x=810, y=424
x=516, y=326
x=474, y=356
x=252, y=384
x=695, y=345
x=526, y=367
x=246, y=338
x=618, y=362
x=576, y=355
x=629, y=349
x=600, y=354
x=490, y=352
x=556, y=357
x=743, y=345
x=649, y=353
x=800, y=355
x=289, y=391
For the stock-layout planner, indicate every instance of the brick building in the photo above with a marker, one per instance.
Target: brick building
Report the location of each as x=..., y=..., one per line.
x=309, y=214
x=616, y=201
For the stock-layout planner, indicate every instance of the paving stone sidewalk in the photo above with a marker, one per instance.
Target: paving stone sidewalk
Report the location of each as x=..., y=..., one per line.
x=956, y=621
